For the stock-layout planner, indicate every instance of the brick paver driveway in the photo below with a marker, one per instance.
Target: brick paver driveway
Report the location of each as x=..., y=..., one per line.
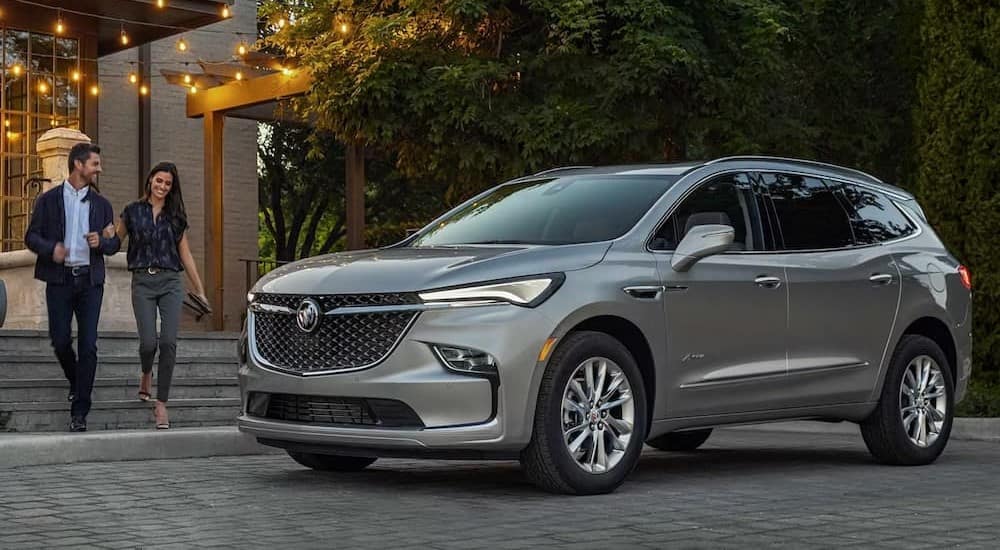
x=746, y=489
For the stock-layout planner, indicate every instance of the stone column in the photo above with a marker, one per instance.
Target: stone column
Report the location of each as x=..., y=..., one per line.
x=53, y=148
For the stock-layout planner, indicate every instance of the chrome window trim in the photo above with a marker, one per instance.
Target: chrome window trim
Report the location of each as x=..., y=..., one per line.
x=264, y=364
x=893, y=197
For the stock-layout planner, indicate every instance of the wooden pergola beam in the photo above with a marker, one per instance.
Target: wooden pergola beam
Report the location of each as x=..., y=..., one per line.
x=247, y=93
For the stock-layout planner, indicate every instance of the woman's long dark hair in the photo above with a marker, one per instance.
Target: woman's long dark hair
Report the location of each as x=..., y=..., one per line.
x=174, y=203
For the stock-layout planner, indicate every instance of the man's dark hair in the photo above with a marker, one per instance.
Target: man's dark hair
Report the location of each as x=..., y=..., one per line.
x=81, y=152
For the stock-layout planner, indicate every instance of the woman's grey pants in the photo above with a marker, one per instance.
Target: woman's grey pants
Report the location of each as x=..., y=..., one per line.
x=163, y=291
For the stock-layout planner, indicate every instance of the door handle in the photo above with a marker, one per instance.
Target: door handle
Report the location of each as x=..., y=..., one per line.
x=644, y=292
x=765, y=281
x=881, y=278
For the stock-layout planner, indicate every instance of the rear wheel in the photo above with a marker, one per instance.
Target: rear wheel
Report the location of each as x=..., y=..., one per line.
x=680, y=441
x=590, y=420
x=912, y=422
x=332, y=463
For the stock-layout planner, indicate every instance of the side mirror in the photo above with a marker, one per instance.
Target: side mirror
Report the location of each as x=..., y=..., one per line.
x=701, y=241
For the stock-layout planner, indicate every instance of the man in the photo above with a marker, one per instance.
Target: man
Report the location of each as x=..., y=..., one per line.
x=69, y=231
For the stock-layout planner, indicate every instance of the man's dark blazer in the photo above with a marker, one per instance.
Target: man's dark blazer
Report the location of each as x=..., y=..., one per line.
x=48, y=227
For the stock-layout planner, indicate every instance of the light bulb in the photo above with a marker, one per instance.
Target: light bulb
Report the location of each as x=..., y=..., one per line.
x=182, y=45
x=133, y=78
x=239, y=75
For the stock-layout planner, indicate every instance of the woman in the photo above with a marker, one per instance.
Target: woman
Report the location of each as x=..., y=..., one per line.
x=158, y=250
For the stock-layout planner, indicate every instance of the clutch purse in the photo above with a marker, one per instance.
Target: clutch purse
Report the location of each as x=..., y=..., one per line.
x=197, y=306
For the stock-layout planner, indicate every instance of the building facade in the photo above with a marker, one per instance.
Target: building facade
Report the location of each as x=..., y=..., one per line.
x=80, y=78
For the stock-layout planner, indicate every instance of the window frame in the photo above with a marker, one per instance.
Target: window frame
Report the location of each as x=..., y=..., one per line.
x=778, y=239
x=843, y=201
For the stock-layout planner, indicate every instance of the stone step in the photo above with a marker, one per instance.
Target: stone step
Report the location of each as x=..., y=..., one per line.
x=122, y=344
x=115, y=389
x=122, y=414
x=19, y=366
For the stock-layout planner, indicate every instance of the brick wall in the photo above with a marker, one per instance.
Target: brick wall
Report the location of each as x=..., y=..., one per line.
x=179, y=139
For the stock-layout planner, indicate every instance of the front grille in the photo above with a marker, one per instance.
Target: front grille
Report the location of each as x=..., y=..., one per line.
x=345, y=411
x=341, y=341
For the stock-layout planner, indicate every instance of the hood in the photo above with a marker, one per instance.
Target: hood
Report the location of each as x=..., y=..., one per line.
x=402, y=269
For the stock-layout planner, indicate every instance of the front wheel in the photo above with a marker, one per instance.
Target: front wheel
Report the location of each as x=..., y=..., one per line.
x=912, y=421
x=590, y=419
x=332, y=463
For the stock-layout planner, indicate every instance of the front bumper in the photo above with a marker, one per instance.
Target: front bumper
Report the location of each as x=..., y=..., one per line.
x=459, y=412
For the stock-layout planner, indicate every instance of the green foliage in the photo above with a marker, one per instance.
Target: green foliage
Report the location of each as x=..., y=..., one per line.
x=983, y=397
x=958, y=136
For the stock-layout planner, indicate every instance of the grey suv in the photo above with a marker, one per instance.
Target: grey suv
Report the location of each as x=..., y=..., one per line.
x=568, y=317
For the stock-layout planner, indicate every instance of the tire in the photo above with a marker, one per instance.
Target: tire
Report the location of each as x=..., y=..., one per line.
x=618, y=430
x=884, y=432
x=332, y=463
x=680, y=441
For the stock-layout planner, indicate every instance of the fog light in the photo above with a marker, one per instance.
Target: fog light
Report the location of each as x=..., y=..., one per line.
x=464, y=360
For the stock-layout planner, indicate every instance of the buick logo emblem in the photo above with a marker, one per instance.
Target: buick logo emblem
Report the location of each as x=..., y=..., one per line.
x=308, y=315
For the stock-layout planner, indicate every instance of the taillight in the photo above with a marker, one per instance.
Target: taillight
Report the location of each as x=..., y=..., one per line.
x=965, y=276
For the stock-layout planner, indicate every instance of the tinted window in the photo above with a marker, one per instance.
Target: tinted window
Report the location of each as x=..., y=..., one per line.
x=809, y=214
x=724, y=201
x=566, y=210
x=875, y=218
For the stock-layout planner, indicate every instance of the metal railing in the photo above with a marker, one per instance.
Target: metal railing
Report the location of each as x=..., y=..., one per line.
x=255, y=268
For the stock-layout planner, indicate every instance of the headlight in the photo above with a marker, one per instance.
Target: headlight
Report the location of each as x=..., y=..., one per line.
x=528, y=292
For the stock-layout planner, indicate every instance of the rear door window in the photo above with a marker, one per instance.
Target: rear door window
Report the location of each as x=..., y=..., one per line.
x=810, y=217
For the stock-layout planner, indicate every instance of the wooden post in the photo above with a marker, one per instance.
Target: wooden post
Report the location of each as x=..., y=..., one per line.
x=355, y=199
x=214, y=251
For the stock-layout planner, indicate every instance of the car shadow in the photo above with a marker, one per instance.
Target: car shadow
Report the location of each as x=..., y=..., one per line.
x=499, y=478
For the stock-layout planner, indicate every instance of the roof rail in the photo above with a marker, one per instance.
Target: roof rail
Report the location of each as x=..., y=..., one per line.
x=559, y=169
x=800, y=161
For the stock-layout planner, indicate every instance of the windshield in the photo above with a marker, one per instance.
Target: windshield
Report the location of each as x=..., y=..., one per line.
x=566, y=210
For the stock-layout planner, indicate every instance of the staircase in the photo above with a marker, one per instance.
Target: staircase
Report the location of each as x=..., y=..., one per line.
x=204, y=391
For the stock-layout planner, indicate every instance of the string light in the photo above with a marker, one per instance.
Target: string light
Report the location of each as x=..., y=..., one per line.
x=60, y=28
x=241, y=50
x=95, y=90
x=43, y=87
x=281, y=22
x=75, y=76
x=161, y=3
x=16, y=69
x=187, y=78
x=133, y=78
x=286, y=71
x=182, y=45
x=194, y=89
x=6, y=122
x=239, y=75
x=344, y=28
x=124, y=36
x=144, y=90
x=226, y=13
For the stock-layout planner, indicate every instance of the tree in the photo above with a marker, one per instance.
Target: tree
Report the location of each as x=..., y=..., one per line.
x=467, y=92
x=301, y=191
x=958, y=136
